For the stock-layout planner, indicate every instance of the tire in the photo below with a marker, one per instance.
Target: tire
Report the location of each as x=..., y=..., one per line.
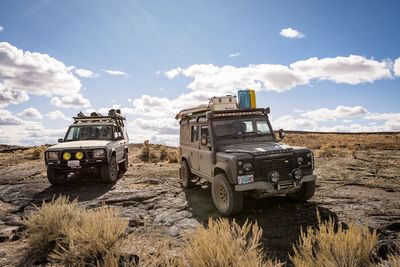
x=56, y=177
x=306, y=192
x=186, y=175
x=227, y=201
x=123, y=166
x=109, y=172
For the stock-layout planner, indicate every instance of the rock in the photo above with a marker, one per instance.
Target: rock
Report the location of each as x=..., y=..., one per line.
x=3, y=237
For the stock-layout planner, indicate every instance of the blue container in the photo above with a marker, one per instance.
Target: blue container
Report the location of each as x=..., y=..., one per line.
x=244, y=99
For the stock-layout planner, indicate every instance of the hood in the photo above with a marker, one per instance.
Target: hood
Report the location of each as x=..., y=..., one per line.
x=257, y=148
x=81, y=144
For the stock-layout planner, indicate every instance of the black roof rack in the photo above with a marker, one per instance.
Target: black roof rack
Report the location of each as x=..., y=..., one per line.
x=114, y=116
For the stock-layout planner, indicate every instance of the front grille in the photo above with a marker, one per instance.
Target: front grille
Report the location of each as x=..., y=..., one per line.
x=284, y=165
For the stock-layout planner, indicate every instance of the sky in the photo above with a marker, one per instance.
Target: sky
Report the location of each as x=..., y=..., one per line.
x=319, y=65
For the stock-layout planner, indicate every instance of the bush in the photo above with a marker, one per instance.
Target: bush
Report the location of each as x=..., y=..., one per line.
x=332, y=245
x=173, y=156
x=75, y=236
x=36, y=152
x=220, y=244
x=145, y=153
x=163, y=153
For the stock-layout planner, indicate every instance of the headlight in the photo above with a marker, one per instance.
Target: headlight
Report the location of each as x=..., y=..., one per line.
x=240, y=163
x=248, y=166
x=79, y=155
x=67, y=156
x=52, y=155
x=300, y=160
x=99, y=153
x=274, y=176
x=297, y=174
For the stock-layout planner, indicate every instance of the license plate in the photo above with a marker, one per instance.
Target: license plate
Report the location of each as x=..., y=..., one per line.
x=246, y=179
x=73, y=164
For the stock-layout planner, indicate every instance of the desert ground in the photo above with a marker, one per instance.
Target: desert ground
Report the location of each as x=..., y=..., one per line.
x=358, y=180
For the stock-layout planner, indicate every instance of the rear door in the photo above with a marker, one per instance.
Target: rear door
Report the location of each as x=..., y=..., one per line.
x=119, y=144
x=194, y=146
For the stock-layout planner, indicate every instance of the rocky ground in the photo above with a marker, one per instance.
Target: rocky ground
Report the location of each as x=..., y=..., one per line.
x=363, y=186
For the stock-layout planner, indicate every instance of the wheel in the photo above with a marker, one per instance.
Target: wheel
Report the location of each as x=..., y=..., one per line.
x=56, y=177
x=226, y=199
x=123, y=166
x=305, y=192
x=186, y=175
x=109, y=172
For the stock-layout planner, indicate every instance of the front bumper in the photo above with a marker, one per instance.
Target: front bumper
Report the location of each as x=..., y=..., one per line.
x=83, y=165
x=279, y=188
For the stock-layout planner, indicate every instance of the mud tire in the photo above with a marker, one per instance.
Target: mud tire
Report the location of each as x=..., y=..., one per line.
x=56, y=177
x=186, y=175
x=109, y=172
x=227, y=201
x=123, y=166
x=306, y=192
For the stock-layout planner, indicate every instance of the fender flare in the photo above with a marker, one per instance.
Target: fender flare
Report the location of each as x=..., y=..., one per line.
x=186, y=157
x=223, y=167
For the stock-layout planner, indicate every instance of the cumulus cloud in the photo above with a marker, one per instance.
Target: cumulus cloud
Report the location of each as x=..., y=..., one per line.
x=74, y=101
x=7, y=118
x=35, y=73
x=84, y=73
x=351, y=70
x=1, y=28
x=236, y=54
x=325, y=114
x=291, y=123
x=173, y=73
x=396, y=67
x=11, y=97
x=115, y=72
x=57, y=115
x=291, y=33
x=32, y=113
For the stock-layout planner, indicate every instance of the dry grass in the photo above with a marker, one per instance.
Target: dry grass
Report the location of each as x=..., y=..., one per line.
x=75, y=236
x=348, y=141
x=36, y=152
x=332, y=245
x=220, y=244
x=145, y=152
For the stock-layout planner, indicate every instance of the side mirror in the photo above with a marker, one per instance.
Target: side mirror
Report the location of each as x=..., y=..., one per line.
x=60, y=140
x=281, y=134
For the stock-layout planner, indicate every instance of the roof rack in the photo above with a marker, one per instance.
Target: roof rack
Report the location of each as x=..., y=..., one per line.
x=195, y=111
x=114, y=116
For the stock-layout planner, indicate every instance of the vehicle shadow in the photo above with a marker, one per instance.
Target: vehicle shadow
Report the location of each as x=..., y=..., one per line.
x=280, y=218
x=81, y=187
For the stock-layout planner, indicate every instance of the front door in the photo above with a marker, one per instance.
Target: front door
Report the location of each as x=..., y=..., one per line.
x=194, y=147
x=205, y=157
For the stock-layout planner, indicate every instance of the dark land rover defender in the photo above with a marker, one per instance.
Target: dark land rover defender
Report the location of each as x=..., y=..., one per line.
x=237, y=152
x=95, y=143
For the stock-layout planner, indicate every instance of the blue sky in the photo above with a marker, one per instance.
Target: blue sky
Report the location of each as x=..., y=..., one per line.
x=144, y=40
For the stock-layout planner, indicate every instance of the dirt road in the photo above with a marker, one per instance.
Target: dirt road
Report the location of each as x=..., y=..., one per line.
x=364, y=189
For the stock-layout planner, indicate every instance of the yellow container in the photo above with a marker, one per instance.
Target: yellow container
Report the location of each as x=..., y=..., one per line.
x=252, y=98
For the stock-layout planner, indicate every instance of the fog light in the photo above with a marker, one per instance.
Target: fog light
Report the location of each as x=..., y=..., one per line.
x=274, y=176
x=297, y=174
x=300, y=160
x=67, y=156
x=79, y=155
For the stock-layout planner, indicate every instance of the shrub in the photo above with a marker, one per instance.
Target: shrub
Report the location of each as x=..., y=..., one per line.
x=145, y=153
x=76, y=236
x=36, y=152
x=163, y=153
x=220, y=244
x=332, y=245
x=173, y=156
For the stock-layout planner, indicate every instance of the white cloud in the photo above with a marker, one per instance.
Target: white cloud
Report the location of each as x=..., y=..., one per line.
x=325, y=114
x=29, y=134
x=351, y=70
x=7, y=118
x=173, y=73
x=236, y=54
x=31, y=113
x=11, y=97
x=291, y=123
x=396, y=67
x=291, y=33
x=115, y=72
x=85, y=73
x=35, y=73
x=158, y=72
x=57, y=115
x=74, y=101
x=1, y=28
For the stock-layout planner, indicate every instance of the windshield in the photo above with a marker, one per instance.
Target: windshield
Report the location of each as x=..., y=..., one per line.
x=89, y=132
x=243, y=127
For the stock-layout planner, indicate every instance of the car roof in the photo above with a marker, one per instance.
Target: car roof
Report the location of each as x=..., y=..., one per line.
x=93, y=124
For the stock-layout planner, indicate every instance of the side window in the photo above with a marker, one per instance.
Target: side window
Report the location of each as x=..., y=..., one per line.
x=118, y=132
x=262, y=126
x=204, y=132
x=194, y=136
